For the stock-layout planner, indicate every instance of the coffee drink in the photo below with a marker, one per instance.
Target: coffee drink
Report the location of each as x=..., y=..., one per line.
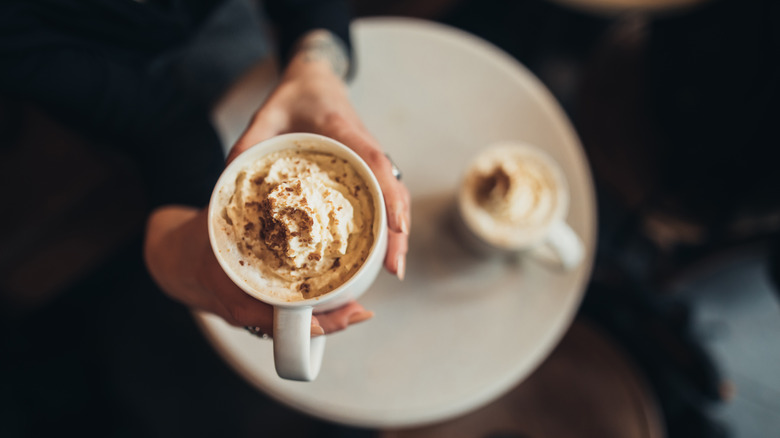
x=511, y=194
x=298, y=223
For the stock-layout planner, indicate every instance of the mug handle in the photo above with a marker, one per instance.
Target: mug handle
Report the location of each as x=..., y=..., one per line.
x=562, y=247
x=297, y=356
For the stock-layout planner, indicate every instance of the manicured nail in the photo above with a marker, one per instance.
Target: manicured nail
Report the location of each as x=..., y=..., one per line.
x=360, y=316
x=403, y=224
x=400, y=266
x=316, y=329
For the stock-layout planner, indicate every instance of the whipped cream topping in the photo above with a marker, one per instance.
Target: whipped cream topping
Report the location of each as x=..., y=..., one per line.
x=304, y=221
x=307, y=218
x=516, y=192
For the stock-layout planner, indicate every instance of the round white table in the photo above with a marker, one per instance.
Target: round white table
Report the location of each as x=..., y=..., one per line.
x=459, y=331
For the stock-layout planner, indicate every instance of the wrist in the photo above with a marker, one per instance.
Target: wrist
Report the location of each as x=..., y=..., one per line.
x=322, y=52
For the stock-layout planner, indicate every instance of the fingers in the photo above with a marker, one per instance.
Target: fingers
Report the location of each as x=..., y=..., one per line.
x=242, y=310
x=341, y=318
x=395, y=259
x=397, y=199
x=398, y=202
x=246, y=311
x=396, y=195
x=265, y=124
x=398, y=221
x=238, y=308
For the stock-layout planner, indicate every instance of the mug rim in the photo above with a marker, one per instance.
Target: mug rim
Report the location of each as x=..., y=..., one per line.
x=285, y=142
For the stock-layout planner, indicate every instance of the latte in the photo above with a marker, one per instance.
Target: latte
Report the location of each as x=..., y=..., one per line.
x=299, y=223
x=511, y=194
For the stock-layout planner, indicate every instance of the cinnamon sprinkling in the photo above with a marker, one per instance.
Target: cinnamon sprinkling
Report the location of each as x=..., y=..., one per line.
x=494, y=184
x=273, y=231
x=280, y=219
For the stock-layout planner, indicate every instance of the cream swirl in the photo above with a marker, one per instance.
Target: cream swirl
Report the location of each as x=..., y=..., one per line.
x=510, y=194
x=516, y=192
x=307, y=218
x=304, y=218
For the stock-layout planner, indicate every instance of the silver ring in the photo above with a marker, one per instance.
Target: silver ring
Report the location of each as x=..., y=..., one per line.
x=257, y=332
x=396, y=171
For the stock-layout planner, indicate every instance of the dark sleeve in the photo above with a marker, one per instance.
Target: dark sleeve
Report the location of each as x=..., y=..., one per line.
x=103, y=91
x=293, y=18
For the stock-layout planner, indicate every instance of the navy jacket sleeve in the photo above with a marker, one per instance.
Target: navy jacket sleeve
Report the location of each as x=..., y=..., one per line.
x=293, y=18
x=86, y=63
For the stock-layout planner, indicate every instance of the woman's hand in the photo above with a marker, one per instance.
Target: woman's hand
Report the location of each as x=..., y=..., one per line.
x=180, y=259
x=312, y=97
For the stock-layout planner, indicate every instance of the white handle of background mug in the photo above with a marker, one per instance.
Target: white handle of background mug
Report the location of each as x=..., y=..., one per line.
x=297, y=355
x=562, y=247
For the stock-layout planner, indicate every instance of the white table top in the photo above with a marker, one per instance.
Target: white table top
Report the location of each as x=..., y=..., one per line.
x=458, y=332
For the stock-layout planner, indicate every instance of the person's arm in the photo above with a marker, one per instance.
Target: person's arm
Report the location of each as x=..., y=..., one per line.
x=311, y=97
x=85, y=67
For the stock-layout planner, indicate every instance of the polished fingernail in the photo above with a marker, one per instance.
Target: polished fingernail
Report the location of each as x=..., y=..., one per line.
x=360, y=316
x=400, y=266
x=401, y=222
x=317, y=330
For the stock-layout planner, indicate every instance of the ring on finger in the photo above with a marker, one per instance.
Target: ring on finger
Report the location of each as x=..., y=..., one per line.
x=257, y=332
x=396, y=171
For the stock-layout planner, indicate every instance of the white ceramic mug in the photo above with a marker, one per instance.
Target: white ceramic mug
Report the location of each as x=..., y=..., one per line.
x=551, y=240
x=298, y=356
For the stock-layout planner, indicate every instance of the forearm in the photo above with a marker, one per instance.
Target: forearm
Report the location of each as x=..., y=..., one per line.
x=321, y=47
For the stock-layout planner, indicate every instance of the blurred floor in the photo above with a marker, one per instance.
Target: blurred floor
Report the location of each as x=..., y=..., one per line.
x=737, y=314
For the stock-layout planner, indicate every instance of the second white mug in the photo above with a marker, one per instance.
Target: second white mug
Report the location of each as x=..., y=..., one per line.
x=514, y=198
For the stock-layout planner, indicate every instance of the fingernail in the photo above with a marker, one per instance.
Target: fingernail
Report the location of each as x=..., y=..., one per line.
x=360, y=316
x=316, y=329
x=403, y=224
x=400, y=266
